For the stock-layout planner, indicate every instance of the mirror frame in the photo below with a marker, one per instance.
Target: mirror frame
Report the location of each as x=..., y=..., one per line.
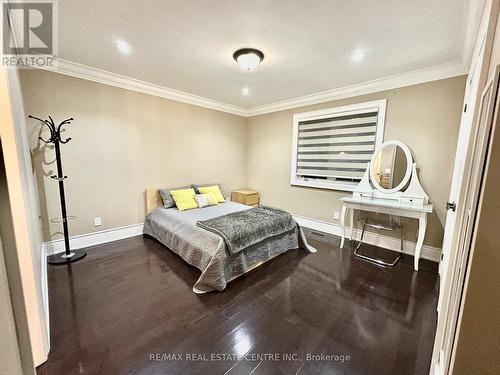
x=409, y=163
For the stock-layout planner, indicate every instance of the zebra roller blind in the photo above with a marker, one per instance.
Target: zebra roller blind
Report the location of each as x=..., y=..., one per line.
x=333, y=149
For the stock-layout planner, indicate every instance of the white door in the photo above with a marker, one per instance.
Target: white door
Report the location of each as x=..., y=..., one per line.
x=464, y=137
x=457, y=217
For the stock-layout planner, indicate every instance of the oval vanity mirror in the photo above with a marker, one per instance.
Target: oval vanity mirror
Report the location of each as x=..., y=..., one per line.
x=390, y=167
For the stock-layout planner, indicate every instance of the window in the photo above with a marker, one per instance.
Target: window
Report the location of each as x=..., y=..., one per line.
x=331, y=148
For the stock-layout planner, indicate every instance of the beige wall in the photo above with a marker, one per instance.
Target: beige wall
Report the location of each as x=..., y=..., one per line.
x=426, y=117
x=123, y=142
x=10, y=359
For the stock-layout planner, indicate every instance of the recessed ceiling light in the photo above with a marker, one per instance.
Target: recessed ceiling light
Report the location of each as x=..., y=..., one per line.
x=248, y=58
x=358, y=55
x=123, y=47
x=245, y=91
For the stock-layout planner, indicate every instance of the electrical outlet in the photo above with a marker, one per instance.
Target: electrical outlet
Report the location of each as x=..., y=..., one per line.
x=97, y=221
x=336, y=215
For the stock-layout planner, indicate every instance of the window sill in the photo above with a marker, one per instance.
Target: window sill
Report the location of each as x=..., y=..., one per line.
x=340, y=186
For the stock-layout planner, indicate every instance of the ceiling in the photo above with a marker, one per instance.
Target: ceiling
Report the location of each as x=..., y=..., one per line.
x=187, y=45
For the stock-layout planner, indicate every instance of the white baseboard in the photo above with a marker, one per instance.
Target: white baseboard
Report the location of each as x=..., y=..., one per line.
x=109, y=235
x=93, y=239
x=428, y=252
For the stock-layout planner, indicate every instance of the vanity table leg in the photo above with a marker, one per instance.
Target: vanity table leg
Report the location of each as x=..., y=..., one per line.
x=351, y=222
x=422, y=224
x=342, y=223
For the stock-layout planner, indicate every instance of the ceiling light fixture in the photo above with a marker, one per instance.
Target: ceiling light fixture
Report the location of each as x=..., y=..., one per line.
x=358, y=55
x=248, y=58
x=245, y=91
x=123, y=47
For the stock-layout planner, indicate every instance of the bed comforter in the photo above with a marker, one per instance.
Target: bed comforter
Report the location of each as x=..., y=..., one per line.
x=207, y=251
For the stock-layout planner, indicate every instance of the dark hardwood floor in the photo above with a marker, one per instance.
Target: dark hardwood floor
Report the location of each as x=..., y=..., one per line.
x=128, y=308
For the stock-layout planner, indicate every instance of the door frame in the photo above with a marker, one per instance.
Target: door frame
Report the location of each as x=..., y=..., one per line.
x=489, y=105
x=468, y=195
x=479, y=164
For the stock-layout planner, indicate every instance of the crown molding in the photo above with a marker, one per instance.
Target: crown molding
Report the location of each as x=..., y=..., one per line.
x=74, y=69
x=406, y=79
x=369, y=87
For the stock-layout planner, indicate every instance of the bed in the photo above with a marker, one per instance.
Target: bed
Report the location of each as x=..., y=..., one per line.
x=206, y=250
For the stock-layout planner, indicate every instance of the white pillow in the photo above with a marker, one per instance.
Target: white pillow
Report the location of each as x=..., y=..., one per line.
x=201, y=200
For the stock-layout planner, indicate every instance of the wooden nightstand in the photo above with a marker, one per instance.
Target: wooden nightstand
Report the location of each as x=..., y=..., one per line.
x=248, y=197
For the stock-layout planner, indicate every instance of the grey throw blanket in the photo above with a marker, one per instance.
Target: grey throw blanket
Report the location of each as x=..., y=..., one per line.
x=245, y=228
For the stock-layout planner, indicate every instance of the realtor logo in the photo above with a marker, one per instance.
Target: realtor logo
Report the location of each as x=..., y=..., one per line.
x=29, y=33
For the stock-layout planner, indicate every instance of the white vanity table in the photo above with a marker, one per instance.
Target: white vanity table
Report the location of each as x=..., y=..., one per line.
x=381, y=191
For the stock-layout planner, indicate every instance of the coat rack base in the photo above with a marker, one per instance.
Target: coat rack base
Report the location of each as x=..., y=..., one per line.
x=62, y=258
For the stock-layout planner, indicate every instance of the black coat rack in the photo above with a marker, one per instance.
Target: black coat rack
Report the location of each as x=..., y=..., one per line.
x=55, y=137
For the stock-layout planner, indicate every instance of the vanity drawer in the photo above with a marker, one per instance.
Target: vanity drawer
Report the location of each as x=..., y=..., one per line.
x=413, y=201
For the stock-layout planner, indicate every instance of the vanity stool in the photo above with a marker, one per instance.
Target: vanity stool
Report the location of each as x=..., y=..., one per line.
x=402, y=195
x=377, y=225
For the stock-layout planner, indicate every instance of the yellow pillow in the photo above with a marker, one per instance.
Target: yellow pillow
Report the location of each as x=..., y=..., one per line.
x=184, y=199
x=214, y=190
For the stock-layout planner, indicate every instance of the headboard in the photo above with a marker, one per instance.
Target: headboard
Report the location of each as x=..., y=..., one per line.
x=153, y=199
